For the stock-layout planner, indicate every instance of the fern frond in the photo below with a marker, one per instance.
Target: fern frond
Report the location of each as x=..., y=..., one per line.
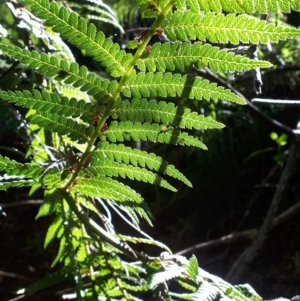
x=48, y=281
x=81, y=253
x=182, y=55
x=115, y=169
x=49, y=206
x=70, y=73
x=219, y=28
x=61, y=251
x=125, y=154
x=63, y=126
x=84, y=36
x=125, y=131
x=248, y=6
x=167, y=84
x=207, y=292
x=164, y=276
x=13, y=168
x=167, y=113
x=107, y=188
x=52, y=230
x=153, y=242
x=193, y=268
x=4, y=185
x=52, y=103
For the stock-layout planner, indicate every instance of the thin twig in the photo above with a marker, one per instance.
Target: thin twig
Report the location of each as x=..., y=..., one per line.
x=276, y=101
x=247, y=234
x=20, y=203
x=260, y=114
x=13, y=275
x=249, y=254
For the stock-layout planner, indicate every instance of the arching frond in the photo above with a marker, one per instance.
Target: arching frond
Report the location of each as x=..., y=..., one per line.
x=17, y=183
x=125, y=154
x=167, y=84
x=70, y=73
x=13, y=168
x=107, y=188
x=182, y=55
x=219, y=28
x=115, y=169
x=207, y=292
x=63, y=126
x=153, y=242
x=248, y=6
x=167, y=113
x=84, y=36
x=164, y=276
x=125, y=131
x=52, y=230
x=52, y=103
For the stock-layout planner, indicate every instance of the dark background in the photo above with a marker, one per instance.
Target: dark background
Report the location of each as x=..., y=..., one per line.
x=239, y=173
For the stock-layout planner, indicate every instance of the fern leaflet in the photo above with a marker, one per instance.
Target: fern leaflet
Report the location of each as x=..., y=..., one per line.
x=166, y=84
x=136, y=157
x=52, y=103
x=180, y=56
x=115, y=169
x=125, y=131
x=167, y=113
x=84, y=36
x=219, y=28
x=248, y=6
x=70, y=73
x=62, y=125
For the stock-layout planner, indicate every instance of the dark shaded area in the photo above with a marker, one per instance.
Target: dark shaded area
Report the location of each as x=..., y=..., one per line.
x=228, y=179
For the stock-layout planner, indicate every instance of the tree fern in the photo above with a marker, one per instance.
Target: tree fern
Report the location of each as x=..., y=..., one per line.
x=99, y=123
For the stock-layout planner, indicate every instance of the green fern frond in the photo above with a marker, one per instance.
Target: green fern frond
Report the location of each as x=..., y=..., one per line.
x=13, y=168
x=167, y=84
x=52, y=230
x=115, y=169
x=81, y=253
x=48, y=281
x=48, y=207
x=125, y=154
x=125, y=131
x=71, y=92
x=84, y=36
x=52, y=103
x=70, y=73
x=4, y=185
x=164, y=276
x=107, y=188
x=243, y=292
x=167, y=113
x=153, y=242
x=206, y=292
x=182, y=55
x=63, y=126
x=219, y=28
x=133, y=288
x=193, y=268
x=248, y=6
x=61, y=251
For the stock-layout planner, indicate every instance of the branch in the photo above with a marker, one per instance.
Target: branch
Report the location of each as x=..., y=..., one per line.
x=276, y=101
x=19, y=203
x=247, y=234
x=276, y=125
x=249, y=254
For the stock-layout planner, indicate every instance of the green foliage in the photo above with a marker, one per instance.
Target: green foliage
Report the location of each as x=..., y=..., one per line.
x=97, y=121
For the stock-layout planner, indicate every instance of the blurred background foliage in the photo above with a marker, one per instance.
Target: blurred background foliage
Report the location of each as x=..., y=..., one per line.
x=234, y=181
